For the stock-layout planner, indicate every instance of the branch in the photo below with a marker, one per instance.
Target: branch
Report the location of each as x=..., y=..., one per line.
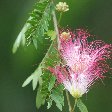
x=56, y=27
x=58, y=42
x=68, y=100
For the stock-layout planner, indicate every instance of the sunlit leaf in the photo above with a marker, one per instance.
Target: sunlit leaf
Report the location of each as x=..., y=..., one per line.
x=49, y=103
x=21, y=38
x=40, y=100
x=36, y=77
x=27, y=81
x=51, y=34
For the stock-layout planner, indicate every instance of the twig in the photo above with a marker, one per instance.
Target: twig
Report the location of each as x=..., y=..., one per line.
x=60, y=18
x=56, y=27
x=68, y=100
x=74, y=105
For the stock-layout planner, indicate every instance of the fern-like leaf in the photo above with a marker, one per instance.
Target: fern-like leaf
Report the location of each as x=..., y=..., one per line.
x=39, y=22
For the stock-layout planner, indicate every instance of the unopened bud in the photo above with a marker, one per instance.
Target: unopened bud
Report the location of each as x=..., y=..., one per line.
x=62, y=7
x=65, y=35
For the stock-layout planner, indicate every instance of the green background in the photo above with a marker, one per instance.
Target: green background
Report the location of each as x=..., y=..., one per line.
x=94, y=15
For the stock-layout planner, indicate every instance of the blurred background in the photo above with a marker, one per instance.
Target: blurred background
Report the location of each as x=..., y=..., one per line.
x=94, y=15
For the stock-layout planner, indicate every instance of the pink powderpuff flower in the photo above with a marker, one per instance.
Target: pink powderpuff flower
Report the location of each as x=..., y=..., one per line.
x=83, y=62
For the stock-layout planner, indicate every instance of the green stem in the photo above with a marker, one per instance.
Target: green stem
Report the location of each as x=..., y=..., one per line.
x=74, y=105
x=60, y=16
x=56, y=27
x=68, y=100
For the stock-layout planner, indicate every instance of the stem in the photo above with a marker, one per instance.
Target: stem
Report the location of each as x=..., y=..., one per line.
x=74, y=105
x=60, y=18
x=68, y=100
x=56, y=27
x=58, y=42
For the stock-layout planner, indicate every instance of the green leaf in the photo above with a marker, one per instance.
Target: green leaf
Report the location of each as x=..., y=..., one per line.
x=43, y=91
x=52, y=82
x=49, y=103
x=81, y=106
x=45, y=83
x=35, y=42
x=51, y=34
x=57, y=96
x=40, y=100
x=36, y=25
x=36, y=77
x=27, y=81
x=39, y=22
x=53, y=57
x=21, y=38
x=46, y=79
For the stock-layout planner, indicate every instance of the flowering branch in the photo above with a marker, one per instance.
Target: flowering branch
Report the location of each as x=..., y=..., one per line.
x=58, y=42
x=82, y=62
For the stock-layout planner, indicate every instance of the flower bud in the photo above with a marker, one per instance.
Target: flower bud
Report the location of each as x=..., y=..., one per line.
x=65, y=35
x=62, y=7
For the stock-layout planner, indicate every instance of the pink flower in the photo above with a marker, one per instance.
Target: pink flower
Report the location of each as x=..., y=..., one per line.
x=83, y=61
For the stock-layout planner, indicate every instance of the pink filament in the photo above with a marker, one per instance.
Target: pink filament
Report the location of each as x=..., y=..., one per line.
x=84, y=61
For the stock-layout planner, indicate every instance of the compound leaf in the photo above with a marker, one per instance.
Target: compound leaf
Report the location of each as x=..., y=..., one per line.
x=57, y=96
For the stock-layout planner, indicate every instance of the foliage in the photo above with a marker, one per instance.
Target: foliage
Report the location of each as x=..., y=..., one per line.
x=34, y=31
x=40, y=17
x=51, y=34
x=36, y=25
x=35, y=77
x=81, y=106
x=57, y=96
x=20, y=38
x=47, y=90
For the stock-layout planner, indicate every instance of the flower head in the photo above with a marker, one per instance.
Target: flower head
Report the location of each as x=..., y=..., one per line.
x=62, y=7
x=84, y=62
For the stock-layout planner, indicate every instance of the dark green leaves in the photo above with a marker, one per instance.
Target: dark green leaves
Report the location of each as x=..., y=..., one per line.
x=36, y=26
x=45, y=84
x=40, y=17
x=57, y=96
x=34, y=31
x=81, y=106
x=48, y=81
x=49, y=91
x=53, y=58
